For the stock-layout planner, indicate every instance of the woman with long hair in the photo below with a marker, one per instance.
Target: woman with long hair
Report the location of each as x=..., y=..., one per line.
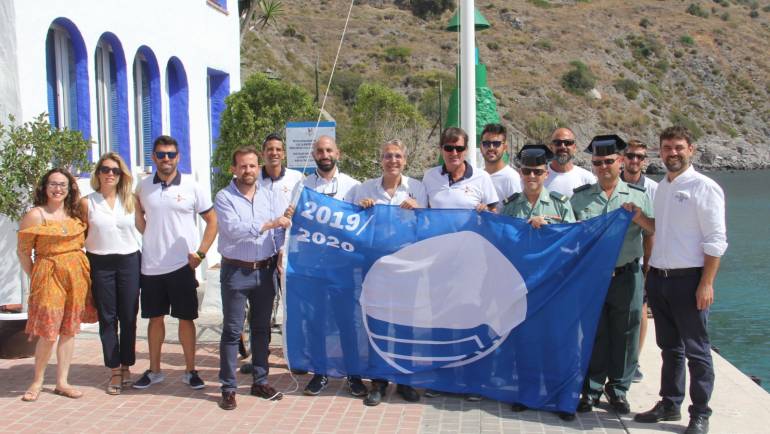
x=112, y=248
x=60, y=297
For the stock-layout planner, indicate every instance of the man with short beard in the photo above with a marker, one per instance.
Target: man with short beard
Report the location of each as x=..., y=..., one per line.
x=493, y=148
x=691, y=238
x=563, y=175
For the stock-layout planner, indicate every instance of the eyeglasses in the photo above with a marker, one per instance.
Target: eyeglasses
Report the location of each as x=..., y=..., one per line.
x=493, y=143
x=57, y=185
x=392, y=156
x=161, y=155
x=606, y=162
x=104, y=170
x=526, y=171
x=559, y=142
x=455, y=148
x=632, y=156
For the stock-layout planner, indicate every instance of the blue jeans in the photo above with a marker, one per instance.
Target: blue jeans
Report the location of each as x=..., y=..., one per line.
x=239, y=285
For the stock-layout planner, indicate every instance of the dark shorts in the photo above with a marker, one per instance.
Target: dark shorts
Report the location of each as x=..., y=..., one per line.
x=176, y=290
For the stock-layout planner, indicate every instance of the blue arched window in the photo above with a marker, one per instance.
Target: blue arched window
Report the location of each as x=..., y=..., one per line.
x=147, y=106
x=111, y=97
x=179, y=112
x=67, y=77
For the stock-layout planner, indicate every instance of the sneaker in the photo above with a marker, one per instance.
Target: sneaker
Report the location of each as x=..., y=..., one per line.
x=432, y=393
x=193, y=380
x=638, y=376
x=473, y=397
x=266, y=391
x=148, y=379
x=356, y=386
x=316, y=385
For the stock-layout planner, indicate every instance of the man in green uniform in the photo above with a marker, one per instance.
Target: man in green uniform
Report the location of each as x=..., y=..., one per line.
x=616, y=346
x=535, y=203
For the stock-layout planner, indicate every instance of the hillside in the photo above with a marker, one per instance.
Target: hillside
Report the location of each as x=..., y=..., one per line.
x=654, y=62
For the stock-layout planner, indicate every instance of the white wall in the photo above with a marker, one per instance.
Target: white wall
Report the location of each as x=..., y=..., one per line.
x=200, y=35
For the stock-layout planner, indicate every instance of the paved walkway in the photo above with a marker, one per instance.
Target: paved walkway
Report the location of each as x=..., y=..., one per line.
x=740, y=407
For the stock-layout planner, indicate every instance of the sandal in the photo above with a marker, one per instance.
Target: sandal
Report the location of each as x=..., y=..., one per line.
x=114, y=389
x=126, y=374
x=31, y=395
x=68, y=393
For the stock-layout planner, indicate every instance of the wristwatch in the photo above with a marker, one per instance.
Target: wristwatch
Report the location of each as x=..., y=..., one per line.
x=201, y=254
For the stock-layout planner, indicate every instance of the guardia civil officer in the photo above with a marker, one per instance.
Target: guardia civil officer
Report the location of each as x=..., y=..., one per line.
x=536, y=204
x=616, y=345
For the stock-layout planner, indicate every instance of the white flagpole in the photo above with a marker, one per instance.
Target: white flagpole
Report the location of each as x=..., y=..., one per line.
x=468, y=76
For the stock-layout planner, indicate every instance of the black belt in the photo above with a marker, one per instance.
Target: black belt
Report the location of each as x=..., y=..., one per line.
x=677, y=272
x=625, y=267
x=256, y=265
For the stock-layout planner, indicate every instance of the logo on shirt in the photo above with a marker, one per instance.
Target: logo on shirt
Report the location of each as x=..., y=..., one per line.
x=681, y=196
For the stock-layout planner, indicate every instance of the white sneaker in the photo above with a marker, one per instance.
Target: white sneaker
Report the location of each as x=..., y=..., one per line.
x=148, y=379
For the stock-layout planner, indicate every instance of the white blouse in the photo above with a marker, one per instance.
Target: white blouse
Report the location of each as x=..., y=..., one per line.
x=110, y=230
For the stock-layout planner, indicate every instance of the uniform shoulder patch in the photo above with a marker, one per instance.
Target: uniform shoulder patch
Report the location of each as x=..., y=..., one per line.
x=510, y=199
x=558, y=196
x=638, y=187
x=581, y=188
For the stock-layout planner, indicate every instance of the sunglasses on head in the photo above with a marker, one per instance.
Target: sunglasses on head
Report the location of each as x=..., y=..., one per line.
x=104, y=170
x=560, y=142
x=606, y=162
x=526, y=171
x=492, y=143
x=161, y=155
x=455, y=148
x=633, y=156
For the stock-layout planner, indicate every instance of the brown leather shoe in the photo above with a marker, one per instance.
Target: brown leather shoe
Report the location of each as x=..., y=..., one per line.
x=227, y=402
x=266, y=391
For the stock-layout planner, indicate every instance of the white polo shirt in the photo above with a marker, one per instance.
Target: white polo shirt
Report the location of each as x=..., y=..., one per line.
x=280, y=189
x=565, y=182
x=689, y=221
x=468, y=192
x=507, y=182
x=337, y=187
x=372, y=189
x=171, y=233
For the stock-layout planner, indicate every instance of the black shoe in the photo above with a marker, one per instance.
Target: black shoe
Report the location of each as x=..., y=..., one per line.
x=697, y=425
x=587, y=404
x=432, y=393
x=518, y=408
x=356, y=386
x=661, y=411
x=617, y=402
x=567, y=417
x=375, y=395
x=193, y=380
x=408, y=393
x=298, y=371
x=316, y=385
x=266, y=391
x=227, y=402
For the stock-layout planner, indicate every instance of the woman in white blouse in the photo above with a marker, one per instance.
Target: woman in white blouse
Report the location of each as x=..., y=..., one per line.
x=112, y=246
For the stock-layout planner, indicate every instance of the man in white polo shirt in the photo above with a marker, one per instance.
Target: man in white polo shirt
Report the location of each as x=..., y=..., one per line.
x=456, y=184
x=563, y=175
x=493, y=147
x=168, y=205
x=690, y=240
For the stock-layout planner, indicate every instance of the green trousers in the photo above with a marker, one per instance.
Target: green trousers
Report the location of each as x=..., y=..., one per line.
x=616, y=346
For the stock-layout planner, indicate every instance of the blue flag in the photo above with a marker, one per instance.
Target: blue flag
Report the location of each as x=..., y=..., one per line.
x=453, y=300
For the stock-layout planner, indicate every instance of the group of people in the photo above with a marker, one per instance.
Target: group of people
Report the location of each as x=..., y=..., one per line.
x=675, y=271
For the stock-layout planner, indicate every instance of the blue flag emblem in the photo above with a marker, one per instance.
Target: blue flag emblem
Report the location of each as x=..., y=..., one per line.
x=453, y=300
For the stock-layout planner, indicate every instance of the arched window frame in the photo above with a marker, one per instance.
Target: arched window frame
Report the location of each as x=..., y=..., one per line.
x=179, y=110
x=147, y=105
x=111, y=97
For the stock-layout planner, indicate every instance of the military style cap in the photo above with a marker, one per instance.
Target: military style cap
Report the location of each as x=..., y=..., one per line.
x=534, y=155
x=606, y=145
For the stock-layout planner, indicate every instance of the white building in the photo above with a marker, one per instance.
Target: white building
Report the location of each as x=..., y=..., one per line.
x=121, y=72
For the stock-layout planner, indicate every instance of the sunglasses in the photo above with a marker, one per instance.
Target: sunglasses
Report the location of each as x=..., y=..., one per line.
x=493, y=143
x=526, y=171
x=632, y=156
x=455, y=148
x=104, y=170
x=559, y=142
x=605, y=162
x=161, y=155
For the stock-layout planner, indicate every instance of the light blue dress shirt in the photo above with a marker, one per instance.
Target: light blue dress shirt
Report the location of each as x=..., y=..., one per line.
x=239, y=221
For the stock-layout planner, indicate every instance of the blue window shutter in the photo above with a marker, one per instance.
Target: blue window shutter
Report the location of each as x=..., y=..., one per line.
x=146, y=115
x=50, y=66
x=114, y=125
x=73, y=90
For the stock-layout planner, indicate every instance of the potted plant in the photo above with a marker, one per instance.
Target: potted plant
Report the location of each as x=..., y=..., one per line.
x=27, y=151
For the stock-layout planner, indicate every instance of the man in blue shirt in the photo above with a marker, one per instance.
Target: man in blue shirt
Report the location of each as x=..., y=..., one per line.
x=250, y=236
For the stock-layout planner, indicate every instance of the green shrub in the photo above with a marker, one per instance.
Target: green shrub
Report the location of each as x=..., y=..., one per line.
x=695, y=10
x=678, y=118
x=544, y=44
x=430, y=8
x=397, y=54
x=545, y=4
x=579, y=79
x=687, y=40
x=645, y=22
x=346, y=83
x=644, y=47
x=539, y=127
x=494, y=46
x=627, y=87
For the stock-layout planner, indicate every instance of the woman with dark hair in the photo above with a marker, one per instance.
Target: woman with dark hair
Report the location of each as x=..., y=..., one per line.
x=112, y=247
x=60, y=296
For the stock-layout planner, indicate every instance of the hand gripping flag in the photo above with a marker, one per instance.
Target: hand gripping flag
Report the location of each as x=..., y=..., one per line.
x=453, y=300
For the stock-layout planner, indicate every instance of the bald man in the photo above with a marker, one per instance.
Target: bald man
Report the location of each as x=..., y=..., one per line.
x=563, y=175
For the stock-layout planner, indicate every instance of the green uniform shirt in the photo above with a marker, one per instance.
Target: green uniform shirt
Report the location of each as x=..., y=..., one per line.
x=590, y=201
x=554, y=207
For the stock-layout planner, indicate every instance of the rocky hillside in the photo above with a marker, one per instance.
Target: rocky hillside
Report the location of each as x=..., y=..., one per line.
x=642, y=65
